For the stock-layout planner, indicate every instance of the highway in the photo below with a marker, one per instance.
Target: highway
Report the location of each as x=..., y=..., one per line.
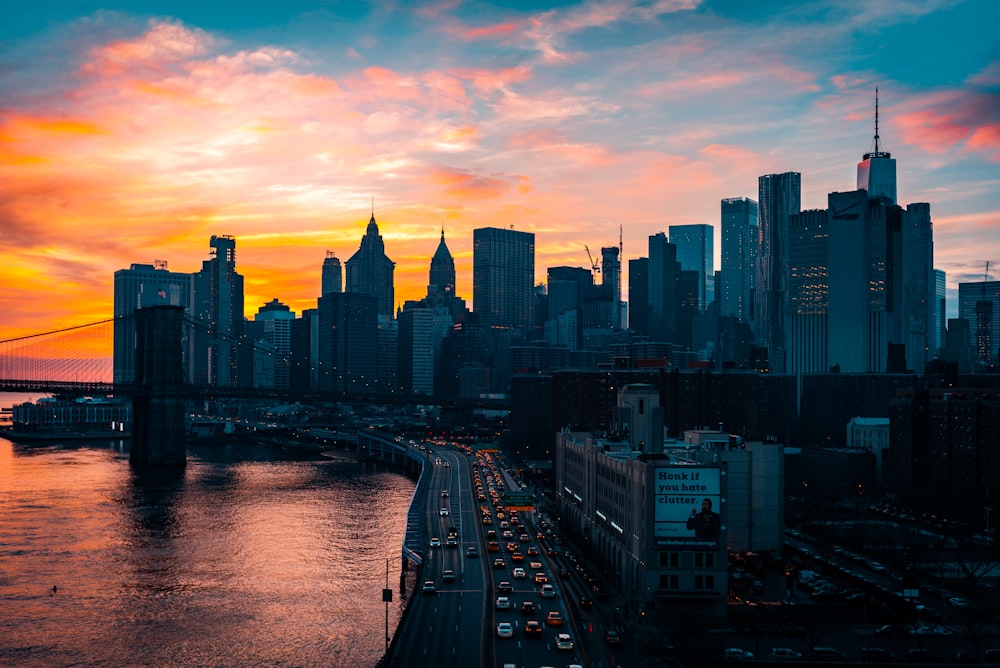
x=459, y=622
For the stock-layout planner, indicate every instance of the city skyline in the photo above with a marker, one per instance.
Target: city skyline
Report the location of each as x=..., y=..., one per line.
x=129, y=137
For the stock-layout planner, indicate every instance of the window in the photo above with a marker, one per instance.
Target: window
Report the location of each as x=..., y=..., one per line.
x=669, y=582
x=704, y=559
x=669, y=560
x=704, y=582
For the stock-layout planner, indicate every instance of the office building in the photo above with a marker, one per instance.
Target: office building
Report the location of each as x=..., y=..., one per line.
x=638, y=295
x=347, y=342
x=332, y=276
x=370, y=271
x=779, y=196
x=442, y=272
x=415, y=350
x=272, y=325
x=738, y=276
x=217, y=308
x=611, y=279
x=940, y=323
x=979, y=306
x=664, y=289
x=877, y=169
x=696, y=252
x=139, y=286
x=808, y=293
x=503, y=274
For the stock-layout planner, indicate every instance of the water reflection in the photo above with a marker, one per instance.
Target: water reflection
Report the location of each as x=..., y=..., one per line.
x=241, y=558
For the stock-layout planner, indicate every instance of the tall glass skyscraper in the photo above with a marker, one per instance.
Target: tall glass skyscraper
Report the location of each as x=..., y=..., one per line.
x=740, y=229
x=332, y=275
x=779, y=196
x=696, y=252
x=503, y=274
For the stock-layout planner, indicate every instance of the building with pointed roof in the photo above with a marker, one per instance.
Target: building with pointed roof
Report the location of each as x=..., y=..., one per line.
x=370, y=271
x=442, y=274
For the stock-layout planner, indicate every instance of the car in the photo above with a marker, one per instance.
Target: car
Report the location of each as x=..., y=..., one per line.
x=828, y=654
x=533, y=627
x=444, y=512
x=535, y=565
x=499, y=563
x=612, y=637
x=541, y=578
x=958, y=602
x=471, y=551
x=493, y=546
x=876, y=655
x=548, y=591
x=784, y=653
x=504, y=587
x=554, y=618
x=528, y=608
x=444, y=494
x=737, y=654
x=517, y=556
x=435, y=542
x=564, y=642
x=503, y=603
x=448, y=575
x=447, y=465
x=532, y=551
x=519, y=573
x=451, y=542
x=505, y=630
x=429, y=587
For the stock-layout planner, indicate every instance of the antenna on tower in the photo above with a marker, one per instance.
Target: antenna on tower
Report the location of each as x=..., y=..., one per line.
x=876, y=151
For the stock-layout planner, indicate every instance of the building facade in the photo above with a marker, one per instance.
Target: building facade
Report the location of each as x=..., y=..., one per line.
x=696, y=252
x=738, y=275
x=503, y=274
x=370, y=271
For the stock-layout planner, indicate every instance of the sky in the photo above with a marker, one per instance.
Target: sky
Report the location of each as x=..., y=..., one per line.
x=133, y=131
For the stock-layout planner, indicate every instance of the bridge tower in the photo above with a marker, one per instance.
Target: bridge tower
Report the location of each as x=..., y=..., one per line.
x=158, y=394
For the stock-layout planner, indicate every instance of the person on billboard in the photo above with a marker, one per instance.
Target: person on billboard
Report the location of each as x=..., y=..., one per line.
x=705, y=524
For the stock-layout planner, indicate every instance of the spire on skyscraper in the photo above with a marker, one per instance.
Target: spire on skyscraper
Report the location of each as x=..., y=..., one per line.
x=876, y=151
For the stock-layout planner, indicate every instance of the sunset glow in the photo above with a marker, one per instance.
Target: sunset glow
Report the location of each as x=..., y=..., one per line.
x=132, y=137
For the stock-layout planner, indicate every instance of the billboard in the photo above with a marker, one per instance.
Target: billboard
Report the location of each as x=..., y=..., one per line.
x=688, y=501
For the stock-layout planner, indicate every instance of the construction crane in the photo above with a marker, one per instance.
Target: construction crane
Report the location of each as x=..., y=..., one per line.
x=594, y=267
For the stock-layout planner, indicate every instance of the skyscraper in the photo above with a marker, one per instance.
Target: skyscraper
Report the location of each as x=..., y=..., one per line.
x=638, y=295
x=370, y=271
x=442, y=273
x=806, y=323
x=218, y=307
x=503, y=274
x=877, y=169
x=696, y=252
x=273, y=325
x=332, y=278
x=740, y=229
x=348, y=329
x=940, y=313
x=979, y=305
x=139, y=286
x=779, y=196
x=611, y=279
x=664, y=288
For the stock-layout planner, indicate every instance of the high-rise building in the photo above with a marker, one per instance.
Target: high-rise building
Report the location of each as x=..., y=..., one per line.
x=273, y=325
x=638, y=295
x=137, y=287
x=979, y=305
x=442, y=272
x=664, y=296
x=503, y=274
x=416, y=349
x=370, y=271
x=877, y=169
x=808, y=293
x=779, y=196
x=740, y=230
x=218, y=308
x=332, y=274
x=940, y=314
x=696, y=252
x=611, y=280
x=348, y=331
x=918, y=288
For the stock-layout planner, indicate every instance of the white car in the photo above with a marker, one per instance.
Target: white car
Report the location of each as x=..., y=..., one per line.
x=548, y=591
x=736, y=654
x=519, y=573
x=564, y=642
x=435, y=542
x=503, y=603
x=505, y=630
x=444, y=512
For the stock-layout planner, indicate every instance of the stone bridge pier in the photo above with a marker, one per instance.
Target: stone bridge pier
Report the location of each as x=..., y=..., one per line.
x=158, y=391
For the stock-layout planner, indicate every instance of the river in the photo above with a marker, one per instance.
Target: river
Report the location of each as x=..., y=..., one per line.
x=248, y=557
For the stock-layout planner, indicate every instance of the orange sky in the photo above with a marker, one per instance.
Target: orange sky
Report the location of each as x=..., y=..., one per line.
x=147, y=135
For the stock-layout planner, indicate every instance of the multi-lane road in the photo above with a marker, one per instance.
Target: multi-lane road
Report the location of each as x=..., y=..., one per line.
x=461, y=623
